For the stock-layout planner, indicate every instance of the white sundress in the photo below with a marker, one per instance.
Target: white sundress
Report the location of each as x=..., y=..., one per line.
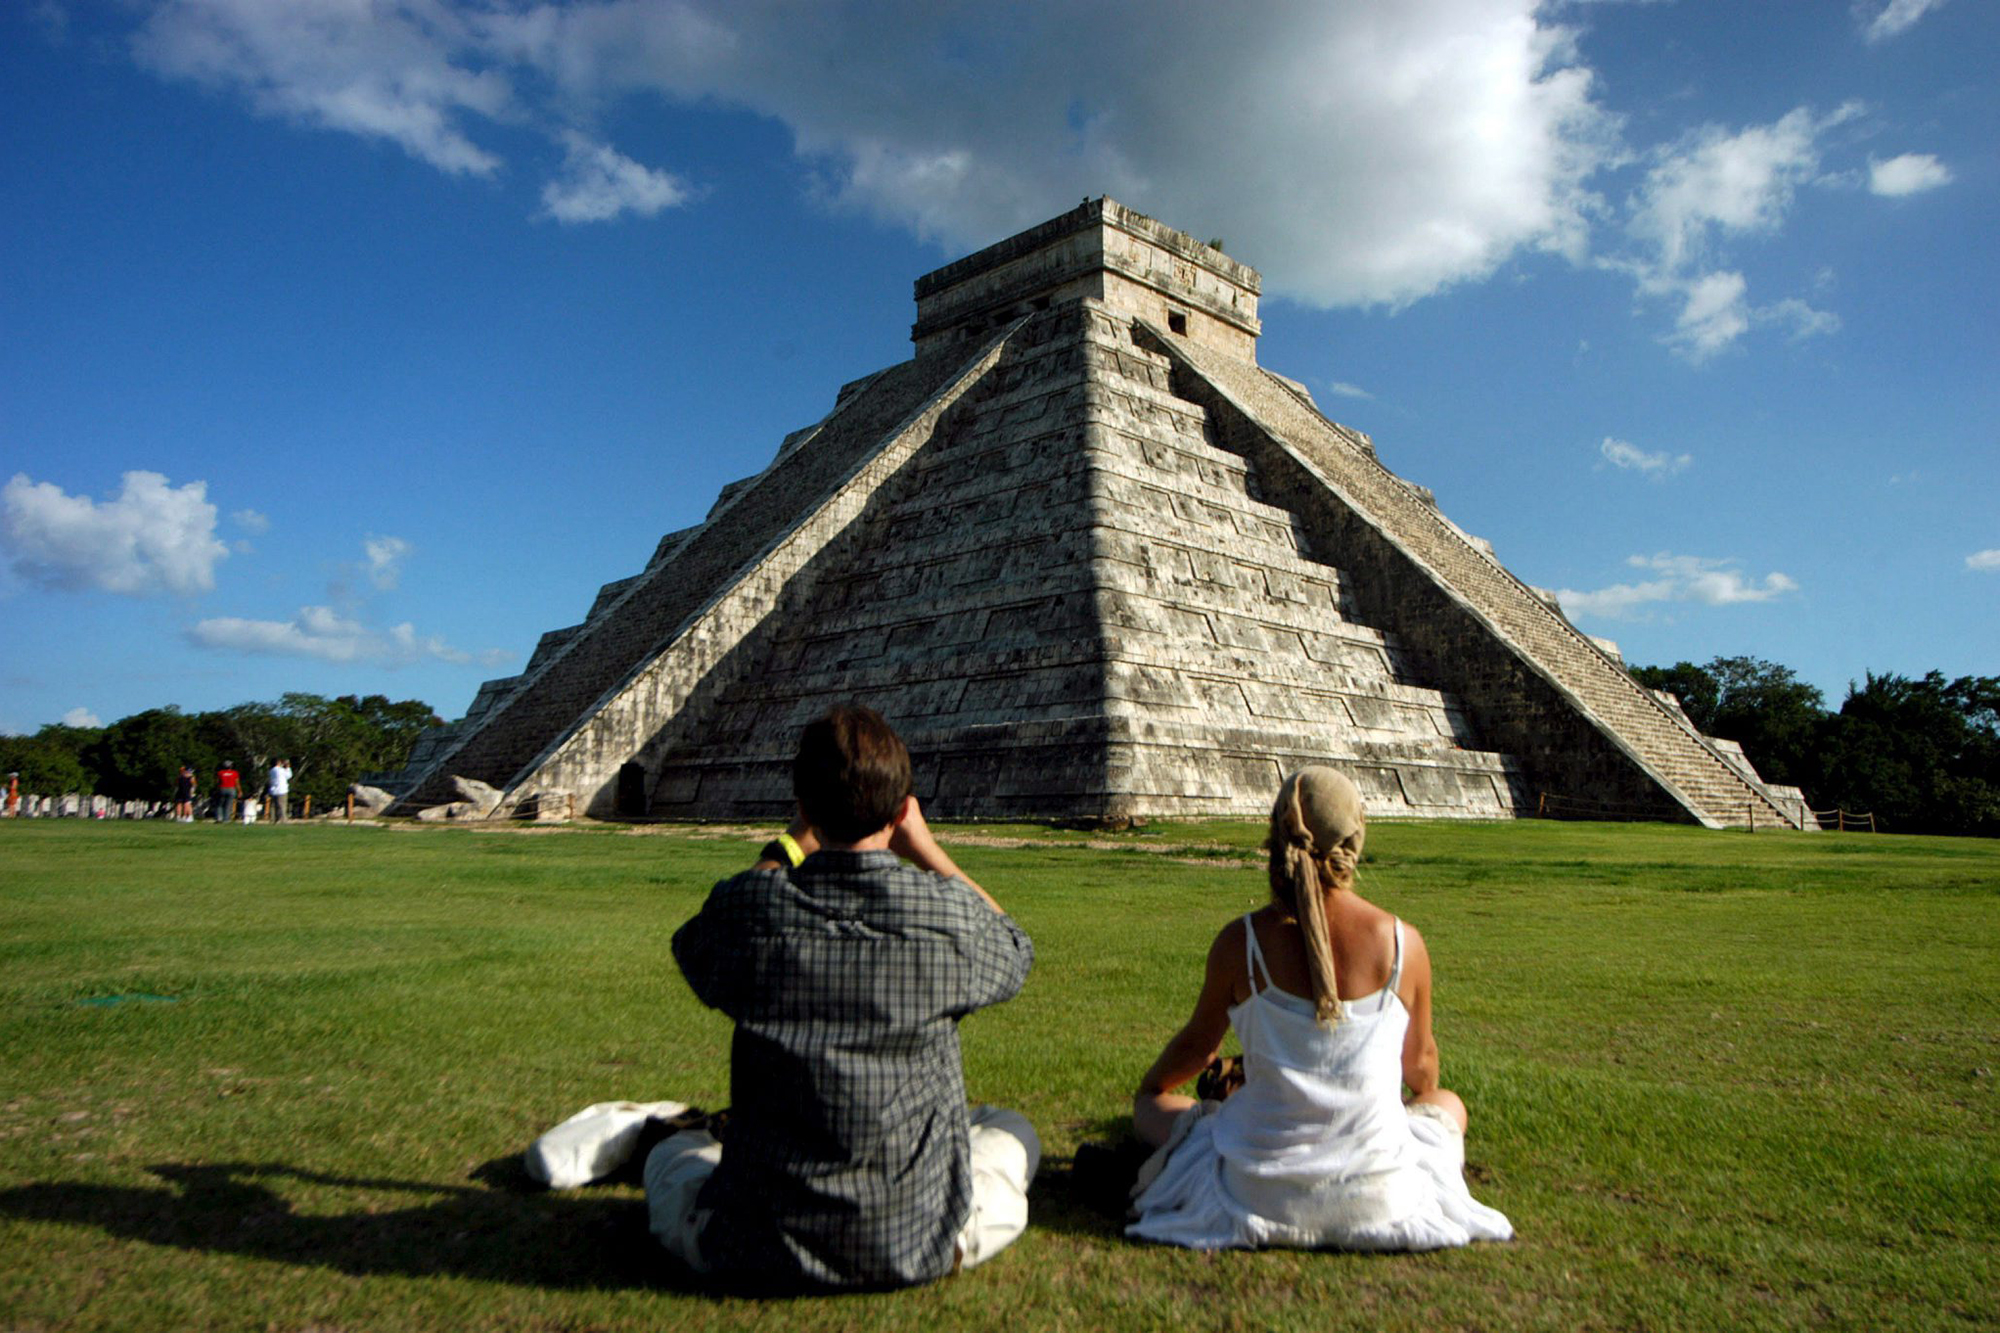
x=1316, y=1149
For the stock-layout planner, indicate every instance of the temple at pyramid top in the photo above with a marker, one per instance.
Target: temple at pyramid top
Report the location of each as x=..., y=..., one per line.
x=1093, y=562
x=1099, y=251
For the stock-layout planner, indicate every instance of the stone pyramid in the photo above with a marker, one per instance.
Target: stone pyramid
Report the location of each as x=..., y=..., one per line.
x=1092, y=562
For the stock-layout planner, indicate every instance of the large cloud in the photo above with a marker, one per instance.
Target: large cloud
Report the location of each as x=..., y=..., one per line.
x=151, y=538
x=1362, y=153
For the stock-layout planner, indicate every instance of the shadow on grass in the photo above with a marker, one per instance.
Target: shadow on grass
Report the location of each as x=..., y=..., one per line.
x=504, y=1229
x=1086, y=1195
x=503, y=1234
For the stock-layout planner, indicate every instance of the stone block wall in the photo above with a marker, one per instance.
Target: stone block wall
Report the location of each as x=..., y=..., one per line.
x=1233, y=655
x=1070, y=604
x=962, y=604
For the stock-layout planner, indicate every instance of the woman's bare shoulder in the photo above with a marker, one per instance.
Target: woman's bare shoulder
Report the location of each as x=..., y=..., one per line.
x=1229, y=938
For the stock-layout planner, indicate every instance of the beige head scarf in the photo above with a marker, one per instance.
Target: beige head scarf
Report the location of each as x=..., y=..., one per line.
x=1317, y=828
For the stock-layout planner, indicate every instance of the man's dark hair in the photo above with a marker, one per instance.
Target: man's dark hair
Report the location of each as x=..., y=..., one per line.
x=851, y=773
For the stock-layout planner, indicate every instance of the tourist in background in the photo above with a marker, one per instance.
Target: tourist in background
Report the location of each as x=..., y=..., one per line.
x=277, y=790
x=228, y=788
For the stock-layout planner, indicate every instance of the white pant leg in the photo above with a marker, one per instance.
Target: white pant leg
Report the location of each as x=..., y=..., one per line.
x=1005, y=1154
x=675, y=1171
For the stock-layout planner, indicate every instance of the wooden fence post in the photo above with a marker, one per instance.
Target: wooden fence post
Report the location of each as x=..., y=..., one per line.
x=307, y=813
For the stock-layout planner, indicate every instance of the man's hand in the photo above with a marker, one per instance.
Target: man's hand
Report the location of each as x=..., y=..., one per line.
x=910, y=838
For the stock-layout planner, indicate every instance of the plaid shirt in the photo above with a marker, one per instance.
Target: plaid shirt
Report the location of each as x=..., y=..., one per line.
x=847, y=1162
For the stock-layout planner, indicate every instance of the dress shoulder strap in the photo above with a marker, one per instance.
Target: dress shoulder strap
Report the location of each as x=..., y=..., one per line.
x=1253, y=955
x=1396, y=968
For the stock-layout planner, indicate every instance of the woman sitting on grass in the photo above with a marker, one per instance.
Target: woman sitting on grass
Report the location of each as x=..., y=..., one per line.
x=1331, y=999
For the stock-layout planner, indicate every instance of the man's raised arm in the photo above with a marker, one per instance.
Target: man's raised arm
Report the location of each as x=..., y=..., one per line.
x=912, y=840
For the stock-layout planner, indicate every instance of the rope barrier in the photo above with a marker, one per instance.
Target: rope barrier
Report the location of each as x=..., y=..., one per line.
x=1844, y=820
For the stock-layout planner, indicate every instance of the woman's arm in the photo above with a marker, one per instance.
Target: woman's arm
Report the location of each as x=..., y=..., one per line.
x=1420, y=1051
x=1188, y=1051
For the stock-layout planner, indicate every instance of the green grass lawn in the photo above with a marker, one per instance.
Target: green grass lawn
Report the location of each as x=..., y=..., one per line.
x=279, y=1078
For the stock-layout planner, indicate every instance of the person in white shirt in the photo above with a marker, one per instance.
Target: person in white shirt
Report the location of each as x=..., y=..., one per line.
x=277, y=788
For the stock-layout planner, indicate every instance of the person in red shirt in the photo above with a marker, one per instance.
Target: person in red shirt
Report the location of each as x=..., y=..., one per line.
x=228, y=787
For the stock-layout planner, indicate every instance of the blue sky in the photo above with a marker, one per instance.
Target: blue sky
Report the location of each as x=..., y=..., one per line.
x=347, y=345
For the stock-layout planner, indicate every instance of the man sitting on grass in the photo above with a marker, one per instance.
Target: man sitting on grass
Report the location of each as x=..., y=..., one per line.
x=852, y=1159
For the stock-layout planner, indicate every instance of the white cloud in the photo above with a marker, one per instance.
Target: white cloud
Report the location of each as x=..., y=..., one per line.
x=340, y=633
x=81, y=717
x=385, y=560
x=1800, y=318
x=1623, y=454
x=1987, y=559
x=1342, y=389
x=598, y=183
x=1390, y=149
x=1912, y=173
x=383, y=69
x=1895, y=18
x=1712, y=187
x=1680, y=578
x=250, y=520
x=1714, y=315
x=151, y=538
x=1456, y=133
x=321, y=632
x=1714, y=180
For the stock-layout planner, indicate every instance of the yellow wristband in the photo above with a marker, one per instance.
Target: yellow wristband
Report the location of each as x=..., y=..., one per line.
x=793, y=852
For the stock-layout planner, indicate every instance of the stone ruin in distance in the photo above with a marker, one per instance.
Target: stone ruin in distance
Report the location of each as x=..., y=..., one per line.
x=1094, y=563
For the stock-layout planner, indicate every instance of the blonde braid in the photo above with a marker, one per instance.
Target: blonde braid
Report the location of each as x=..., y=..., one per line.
x=1296, y=887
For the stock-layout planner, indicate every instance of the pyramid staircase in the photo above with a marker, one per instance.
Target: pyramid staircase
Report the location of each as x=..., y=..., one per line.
x=1657, y=737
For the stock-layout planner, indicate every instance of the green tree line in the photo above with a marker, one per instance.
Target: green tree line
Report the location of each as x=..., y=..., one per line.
x=1922, y=755
x=331, y=743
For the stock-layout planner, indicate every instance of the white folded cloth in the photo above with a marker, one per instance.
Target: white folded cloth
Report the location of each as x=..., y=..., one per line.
x=594, y=1142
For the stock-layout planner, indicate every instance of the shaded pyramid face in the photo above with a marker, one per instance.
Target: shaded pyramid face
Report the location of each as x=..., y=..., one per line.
x=1092, y=562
